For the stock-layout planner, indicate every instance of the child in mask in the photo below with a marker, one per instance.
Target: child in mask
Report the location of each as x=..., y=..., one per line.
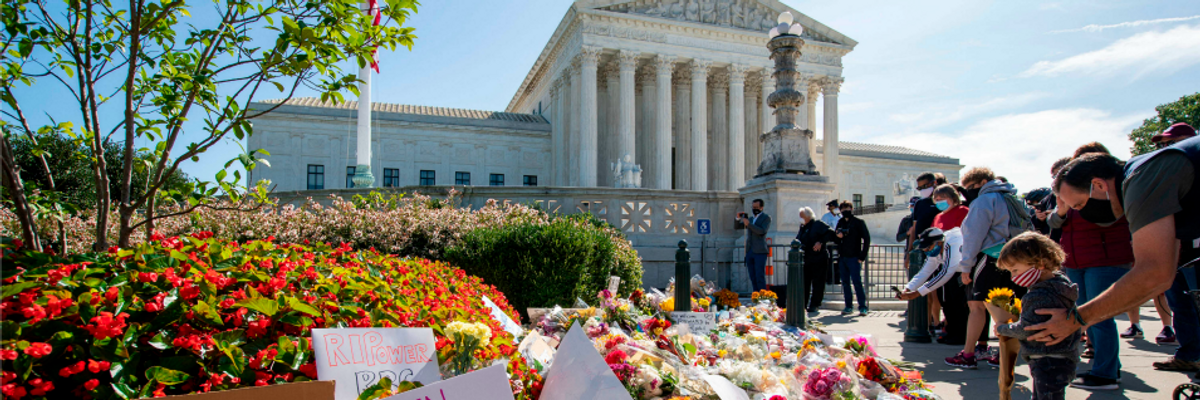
x=1035, y=262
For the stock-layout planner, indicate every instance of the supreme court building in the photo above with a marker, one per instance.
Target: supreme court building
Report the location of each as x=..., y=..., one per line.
x=678, y=86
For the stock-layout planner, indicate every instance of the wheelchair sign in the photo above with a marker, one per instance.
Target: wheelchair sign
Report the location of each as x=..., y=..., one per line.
x=703, y=226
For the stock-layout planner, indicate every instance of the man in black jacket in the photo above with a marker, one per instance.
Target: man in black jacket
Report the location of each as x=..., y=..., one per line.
x=854, y=240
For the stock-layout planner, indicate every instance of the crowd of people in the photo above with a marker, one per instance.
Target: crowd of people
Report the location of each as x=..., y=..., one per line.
x=1106, y=237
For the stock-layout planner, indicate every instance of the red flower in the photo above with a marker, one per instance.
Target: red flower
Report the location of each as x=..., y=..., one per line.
x=97, y=366
x=7, y=376
x=111, y=294
x=38, y=349
x=616, y=357
x=259, y=327
x=13, y=391
x=309, y=370
x=157, y=236
x=55, y=275
x=34, y=312
x=147, y=277
x=8, y=354
x=189, y=291
x=91, y=384
x=105, y=325
x=56, y=306
x=39, y=387
x=72, y=369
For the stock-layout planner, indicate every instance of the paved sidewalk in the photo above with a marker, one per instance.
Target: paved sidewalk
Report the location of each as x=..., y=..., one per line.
x=1139, y=379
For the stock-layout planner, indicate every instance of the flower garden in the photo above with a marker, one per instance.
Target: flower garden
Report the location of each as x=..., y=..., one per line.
x=217, y=301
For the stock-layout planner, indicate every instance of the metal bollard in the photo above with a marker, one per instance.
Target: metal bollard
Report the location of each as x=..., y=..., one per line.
x=918, y=309
x=683, y=286
x=797, y=293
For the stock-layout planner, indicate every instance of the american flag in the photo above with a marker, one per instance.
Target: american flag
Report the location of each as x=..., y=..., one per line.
x=373, y=10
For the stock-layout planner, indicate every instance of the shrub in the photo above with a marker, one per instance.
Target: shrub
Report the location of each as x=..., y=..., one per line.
x=540, y=265
x=193, y=314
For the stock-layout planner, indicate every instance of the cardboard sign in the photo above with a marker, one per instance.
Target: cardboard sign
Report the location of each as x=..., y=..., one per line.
x=506, y=322
x=357, y=358
x=312, y=390
x=700, y=323
x=534, y=348
x=614, y=283
x=490, y=383
x=725, y=389
x=579, y=373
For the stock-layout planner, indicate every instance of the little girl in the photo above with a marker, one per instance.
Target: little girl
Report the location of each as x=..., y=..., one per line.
x=1034, y=262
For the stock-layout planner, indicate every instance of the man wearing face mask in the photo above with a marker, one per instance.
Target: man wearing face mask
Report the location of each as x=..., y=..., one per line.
x=1097, y=256
x=854, y=241
x=756, y=227
x=1157, y=193
x=924, y=211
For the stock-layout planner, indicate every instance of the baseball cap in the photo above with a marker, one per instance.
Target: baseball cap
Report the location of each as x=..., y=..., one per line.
x=929, y=236
x=832, y=203
x=1175, y=132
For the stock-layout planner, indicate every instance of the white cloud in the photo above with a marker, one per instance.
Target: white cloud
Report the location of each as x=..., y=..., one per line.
x=1093, y=28
x=1021, y=147
x=934, y=116
x=1140, y=54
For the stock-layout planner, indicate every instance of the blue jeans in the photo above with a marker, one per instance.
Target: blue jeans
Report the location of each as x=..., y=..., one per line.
x=756, y=264
x=1187, y=324
x=1103, y=335
x=851, y=269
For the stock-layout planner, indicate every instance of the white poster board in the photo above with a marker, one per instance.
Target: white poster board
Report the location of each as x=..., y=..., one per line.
x=699, y=323
x=506, y=322
x=579, y=373
x=356, y=358
x=725, y=389
x=490, y=383
x=535, y=348
x=614, y=284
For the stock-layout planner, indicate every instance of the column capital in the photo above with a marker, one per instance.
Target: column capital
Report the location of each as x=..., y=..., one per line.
x=611, y=71
x=832, y=85
x=767, y=78
x=646, y=75
x=737, y=73
x=753, y=82
x=682, y=76
x=627, y=60
x=814, y=90
x=700, y=68
x=719, y=79
x=664, y=65
x=589, y=56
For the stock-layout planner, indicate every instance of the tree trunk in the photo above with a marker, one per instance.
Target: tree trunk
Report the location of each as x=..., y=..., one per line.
x=16, y=192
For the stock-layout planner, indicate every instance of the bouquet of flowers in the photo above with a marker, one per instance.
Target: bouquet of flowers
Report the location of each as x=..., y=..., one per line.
x=823, y=383
x=763, y=295
x=860, y=346
x=1006, y=300
x=468, y=337
x=728, y=299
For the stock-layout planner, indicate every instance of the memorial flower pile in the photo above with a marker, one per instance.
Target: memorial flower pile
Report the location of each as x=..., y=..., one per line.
x=727, y=299
x=185, y=314
x=661, y=358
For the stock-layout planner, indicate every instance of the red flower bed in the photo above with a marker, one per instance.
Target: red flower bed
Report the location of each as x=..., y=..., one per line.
x=194, y=314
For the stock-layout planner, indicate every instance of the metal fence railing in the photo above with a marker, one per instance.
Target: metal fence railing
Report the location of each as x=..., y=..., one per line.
x=884, y=268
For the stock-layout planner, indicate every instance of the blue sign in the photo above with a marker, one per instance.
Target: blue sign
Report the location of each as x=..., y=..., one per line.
x=703, y=226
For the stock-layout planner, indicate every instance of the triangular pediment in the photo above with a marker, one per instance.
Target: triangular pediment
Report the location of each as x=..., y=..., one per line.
x=754, y=15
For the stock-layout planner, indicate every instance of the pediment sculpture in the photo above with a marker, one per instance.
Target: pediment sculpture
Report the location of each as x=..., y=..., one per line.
x=744, y=14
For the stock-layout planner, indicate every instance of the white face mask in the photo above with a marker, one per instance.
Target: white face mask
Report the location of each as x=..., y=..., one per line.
x=926, y=192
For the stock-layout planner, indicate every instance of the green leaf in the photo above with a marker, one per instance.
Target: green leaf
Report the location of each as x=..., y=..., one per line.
x=231, y=338
x=300, y=306
x=166, y=376
x=12, y=290
x=376, y=390
x=122, y=389
x=10, y=329
x=206, y=313
x=160, y=342
x=260, y=304
x=110, y=349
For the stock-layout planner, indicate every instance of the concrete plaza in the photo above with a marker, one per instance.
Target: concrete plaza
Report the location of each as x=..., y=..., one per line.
x=1139, y=379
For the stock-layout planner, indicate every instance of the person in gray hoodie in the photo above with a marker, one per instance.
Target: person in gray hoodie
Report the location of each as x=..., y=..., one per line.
x=1035, y=261
x=984, y=230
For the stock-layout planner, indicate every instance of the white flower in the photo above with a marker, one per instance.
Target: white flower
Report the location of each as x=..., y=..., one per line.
x=473, y=329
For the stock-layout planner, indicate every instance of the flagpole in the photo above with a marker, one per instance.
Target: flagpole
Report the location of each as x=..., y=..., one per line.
x=362, y=172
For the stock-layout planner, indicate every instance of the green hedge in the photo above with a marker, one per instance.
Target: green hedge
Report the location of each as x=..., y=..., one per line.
x=543, y=265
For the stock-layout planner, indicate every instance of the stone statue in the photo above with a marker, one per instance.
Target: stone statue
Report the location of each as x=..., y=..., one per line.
x=676, y=10
x=693, y=11
x=708, y=13
x=905, y=186
x=723, y=12
x=626, y=174
x=738, y=18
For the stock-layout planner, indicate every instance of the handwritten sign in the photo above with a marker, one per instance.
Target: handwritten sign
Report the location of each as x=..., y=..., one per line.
x=490, y=383
x=614, y=283
x=579, y=373
x=700, y=323
x=356, y=358
x=506, y=322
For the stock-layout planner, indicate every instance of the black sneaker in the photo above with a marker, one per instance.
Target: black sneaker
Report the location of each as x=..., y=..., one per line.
x=1134, y=332
x=1089, y=382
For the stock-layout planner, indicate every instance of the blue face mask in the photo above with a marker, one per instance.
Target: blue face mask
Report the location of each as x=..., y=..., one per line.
x=943, y=205
x=934, y=251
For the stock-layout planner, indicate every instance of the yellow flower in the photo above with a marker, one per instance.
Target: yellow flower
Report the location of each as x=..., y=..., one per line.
x=668, y=305
x=477, y=330
x=624, y=308
x=722, y=353
x=776, y=355
x=841, y=364
x=1017, y=306
x=1000, y=294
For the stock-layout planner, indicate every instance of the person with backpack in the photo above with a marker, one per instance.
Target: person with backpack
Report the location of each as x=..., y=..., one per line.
x=995, y=216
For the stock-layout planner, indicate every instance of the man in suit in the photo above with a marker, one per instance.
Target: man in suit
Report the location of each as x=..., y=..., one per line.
x=756, y=226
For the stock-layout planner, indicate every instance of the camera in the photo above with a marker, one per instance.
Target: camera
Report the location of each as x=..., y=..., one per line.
x=843, y=230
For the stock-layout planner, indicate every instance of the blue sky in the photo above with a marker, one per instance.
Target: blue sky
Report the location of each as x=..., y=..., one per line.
x=1008, y=84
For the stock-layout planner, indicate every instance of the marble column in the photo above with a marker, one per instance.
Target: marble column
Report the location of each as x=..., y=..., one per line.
x=557, y=168
x=831, y=87
x=814, y=93
x=645, y=124
x=664, y=65
x=627, y=62
x=683, y=129
x=719, y=154
x=573, y=137
x=806, y=120
x=612, y=75
x=700, y=124
x=752, y=153
x=735, y=169
x=588, y=163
